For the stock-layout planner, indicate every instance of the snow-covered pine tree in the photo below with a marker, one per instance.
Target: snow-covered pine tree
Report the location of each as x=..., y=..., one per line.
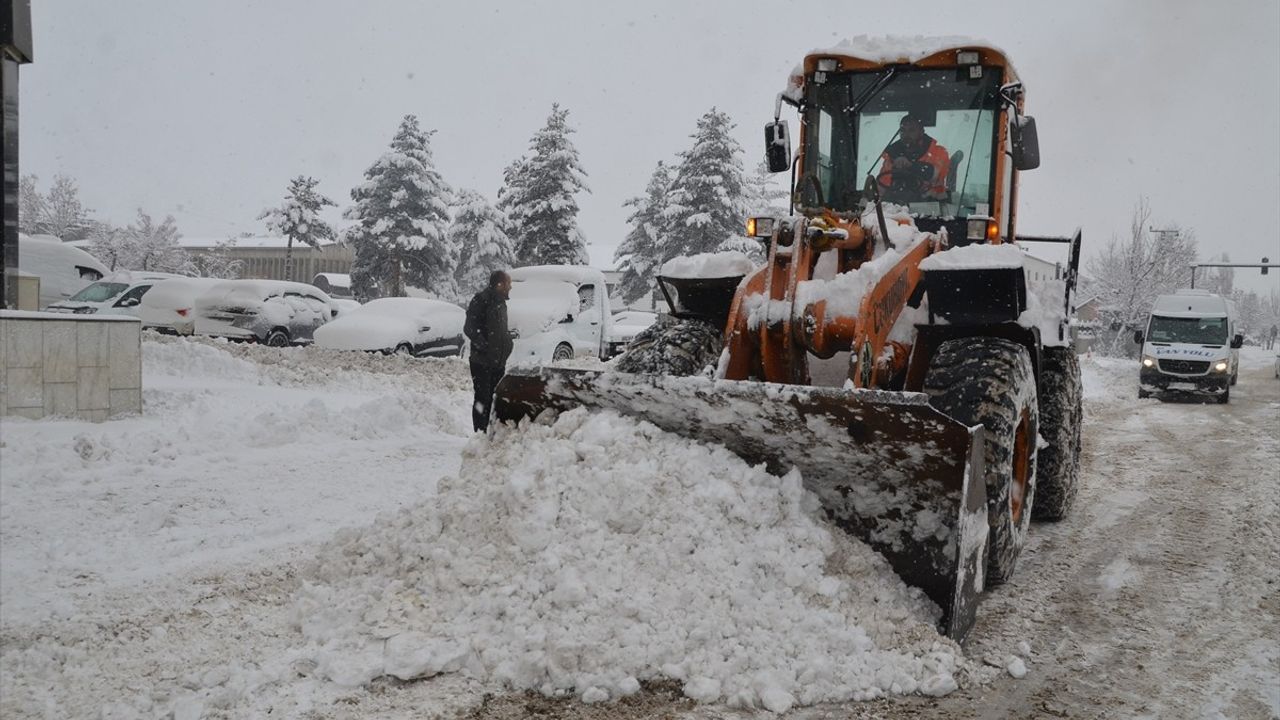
x=539, y=198
x=402, y=214
x=479, y=234
x=638, y=256
x=298, y=218
x=706, y=203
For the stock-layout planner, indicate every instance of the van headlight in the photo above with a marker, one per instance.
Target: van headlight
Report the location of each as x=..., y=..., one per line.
x=1220, y=366
x=1148, y=361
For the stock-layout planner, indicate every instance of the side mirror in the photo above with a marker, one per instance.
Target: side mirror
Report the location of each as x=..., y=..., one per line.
x=129, y=302
x=1026, y=144
x=333, y=312
x=1237, y=342
x=425, y=328
x=567, y=319
x=1137, y=336
x=777, y=146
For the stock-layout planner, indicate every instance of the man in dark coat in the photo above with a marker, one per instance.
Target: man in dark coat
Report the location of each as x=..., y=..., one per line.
x=490, y=344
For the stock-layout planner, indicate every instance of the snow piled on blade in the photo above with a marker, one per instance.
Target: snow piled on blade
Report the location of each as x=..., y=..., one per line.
x=708, y=265
x=595, y=552
x=975, y=256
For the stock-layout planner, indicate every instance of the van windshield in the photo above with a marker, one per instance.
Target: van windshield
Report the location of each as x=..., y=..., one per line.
x=100, y=292
x=1197, y=331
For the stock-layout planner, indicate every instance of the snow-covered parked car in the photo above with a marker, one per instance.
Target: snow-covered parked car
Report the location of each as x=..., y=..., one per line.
x=272, y=312
x=119, y=293
x=626, y=326
x=559, y=312
x=63, y=269
x=169, y=306
x=413, y=326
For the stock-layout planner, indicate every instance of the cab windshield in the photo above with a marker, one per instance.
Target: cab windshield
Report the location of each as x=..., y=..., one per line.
x=926, y=136
x=1195, y=331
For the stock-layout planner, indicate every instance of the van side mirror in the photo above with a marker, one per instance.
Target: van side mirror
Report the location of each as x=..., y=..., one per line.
x=1026, y=144
x=1137, y=337
x=777, y=146
x=1237, y=342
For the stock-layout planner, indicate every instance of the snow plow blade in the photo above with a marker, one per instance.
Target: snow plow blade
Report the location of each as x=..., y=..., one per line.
x=888, y=468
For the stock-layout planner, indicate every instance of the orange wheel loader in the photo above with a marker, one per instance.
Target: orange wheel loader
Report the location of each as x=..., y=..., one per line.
x=957, y=415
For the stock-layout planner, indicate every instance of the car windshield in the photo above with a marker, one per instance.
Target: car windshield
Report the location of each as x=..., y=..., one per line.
x=940, y=123
x=1197, y=331
x=100, y=292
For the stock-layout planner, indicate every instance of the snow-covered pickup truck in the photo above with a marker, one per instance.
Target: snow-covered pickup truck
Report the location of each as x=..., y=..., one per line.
x=559, y=312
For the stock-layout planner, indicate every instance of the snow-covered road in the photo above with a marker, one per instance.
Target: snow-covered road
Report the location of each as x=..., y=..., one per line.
x=151, y=566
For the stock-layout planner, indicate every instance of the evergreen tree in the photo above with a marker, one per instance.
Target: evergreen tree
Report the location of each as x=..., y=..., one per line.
x=539, y=198
x=706, y=203
x=298, y=219
x=402, y=214
x=638, y=256
x=478, y=232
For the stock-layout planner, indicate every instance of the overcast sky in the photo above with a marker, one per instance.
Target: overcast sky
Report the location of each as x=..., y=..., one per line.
x=205, y=108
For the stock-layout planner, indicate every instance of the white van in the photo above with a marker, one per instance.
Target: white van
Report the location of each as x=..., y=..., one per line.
x=63, y=269
x=559, y=312
x=1190, y=345
x=119, y=293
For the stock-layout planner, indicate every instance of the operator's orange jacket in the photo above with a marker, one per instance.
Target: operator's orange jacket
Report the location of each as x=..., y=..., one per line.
x=935, y=155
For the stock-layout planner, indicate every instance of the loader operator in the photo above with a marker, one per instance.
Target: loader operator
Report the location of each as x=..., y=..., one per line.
x=486, y=328
x=915, y=166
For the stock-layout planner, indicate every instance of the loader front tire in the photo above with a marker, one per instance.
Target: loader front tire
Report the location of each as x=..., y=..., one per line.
x=1058, y=466
x=672, y=346
x=989, y=381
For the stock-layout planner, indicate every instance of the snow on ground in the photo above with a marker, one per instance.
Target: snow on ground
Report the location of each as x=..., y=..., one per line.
x=224, y=556
x=231, y=459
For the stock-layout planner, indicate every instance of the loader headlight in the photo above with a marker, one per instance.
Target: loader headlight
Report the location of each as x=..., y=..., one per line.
x=1220, y=366
x=760, y=226
x=982, y=228
x=1148, y=361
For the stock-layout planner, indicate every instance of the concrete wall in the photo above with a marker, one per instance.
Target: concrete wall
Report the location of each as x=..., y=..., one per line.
x=87, y=367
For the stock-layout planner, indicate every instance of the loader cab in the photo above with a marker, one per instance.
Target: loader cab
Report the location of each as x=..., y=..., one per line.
x=954, y=119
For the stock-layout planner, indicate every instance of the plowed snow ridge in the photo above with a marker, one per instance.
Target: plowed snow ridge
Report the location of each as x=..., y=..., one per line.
x=596, y=552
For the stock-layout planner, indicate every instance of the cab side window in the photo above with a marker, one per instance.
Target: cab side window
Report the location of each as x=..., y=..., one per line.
x=586, y=297
x=133, y=296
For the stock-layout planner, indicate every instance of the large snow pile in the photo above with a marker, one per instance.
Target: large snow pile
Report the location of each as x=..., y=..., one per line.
x=589, y=554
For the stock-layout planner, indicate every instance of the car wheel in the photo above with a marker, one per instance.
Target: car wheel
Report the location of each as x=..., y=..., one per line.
x=277, y=338
x=404, y=349
x=563, y=351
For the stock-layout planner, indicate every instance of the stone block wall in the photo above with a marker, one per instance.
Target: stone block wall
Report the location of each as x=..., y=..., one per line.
x=82, y=366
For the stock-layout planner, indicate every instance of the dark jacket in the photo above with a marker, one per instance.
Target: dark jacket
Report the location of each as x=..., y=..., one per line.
x=486, y=328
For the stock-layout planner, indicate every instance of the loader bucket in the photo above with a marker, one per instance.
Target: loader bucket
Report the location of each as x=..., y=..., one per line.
x=888, y=467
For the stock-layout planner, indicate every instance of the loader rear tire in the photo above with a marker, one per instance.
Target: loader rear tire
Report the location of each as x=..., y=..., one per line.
x=989, y=381
x=672, y=346
x=1058, y=466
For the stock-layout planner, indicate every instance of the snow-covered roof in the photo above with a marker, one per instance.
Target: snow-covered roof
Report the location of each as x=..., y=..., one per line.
x=1191, y=303
x=253, y=241
x=576, y=274
x=892, y=49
